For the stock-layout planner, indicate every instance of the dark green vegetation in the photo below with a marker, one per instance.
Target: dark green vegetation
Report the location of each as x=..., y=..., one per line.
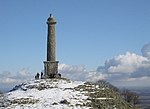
x=103, y=95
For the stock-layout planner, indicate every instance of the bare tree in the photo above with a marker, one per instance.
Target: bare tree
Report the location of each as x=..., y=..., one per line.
x=130, y=97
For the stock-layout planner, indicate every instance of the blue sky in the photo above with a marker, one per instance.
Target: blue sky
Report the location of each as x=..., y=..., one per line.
x=88, y=32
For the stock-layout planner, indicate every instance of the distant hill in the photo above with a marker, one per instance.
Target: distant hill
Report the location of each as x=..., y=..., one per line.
x=144, y=96
x=63, y=94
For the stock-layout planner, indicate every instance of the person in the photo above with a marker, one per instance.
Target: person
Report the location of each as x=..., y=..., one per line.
x=37, y=76
x=59, y=75
x=41, y=75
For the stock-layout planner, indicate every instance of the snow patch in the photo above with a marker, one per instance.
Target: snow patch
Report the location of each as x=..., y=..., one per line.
x=51, y=96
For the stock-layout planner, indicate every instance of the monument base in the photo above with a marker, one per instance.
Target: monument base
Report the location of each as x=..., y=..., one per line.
x=51, y=69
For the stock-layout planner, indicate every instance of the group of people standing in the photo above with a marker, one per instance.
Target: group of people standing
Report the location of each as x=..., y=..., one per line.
x=37, y=76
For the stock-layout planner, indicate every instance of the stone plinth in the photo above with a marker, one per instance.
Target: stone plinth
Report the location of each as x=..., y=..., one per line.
x=50, y=69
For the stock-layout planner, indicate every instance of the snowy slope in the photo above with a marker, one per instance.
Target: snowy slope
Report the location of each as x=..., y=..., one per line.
x=62, y=94
x=50, y=94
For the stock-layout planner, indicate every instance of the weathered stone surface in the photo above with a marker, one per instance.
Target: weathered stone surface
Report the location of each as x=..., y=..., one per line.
x=51, y=65
x=50, y=69
x=51, y=43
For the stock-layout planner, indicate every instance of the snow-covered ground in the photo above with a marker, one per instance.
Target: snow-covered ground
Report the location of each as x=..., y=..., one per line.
x=61, y=93
x=48, y=94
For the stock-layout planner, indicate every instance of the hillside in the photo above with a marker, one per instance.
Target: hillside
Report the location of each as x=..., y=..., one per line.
x=63, y=94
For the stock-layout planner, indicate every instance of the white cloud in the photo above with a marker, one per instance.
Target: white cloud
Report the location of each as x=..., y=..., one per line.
x=79, y=72
x=7, y=80
x=127, y=63
x=127, y=69
x=146, y=50
x=95, y=76
x=23, y=74
x=74, y=72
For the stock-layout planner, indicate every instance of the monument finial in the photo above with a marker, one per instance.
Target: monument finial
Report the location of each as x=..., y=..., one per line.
x=51, y=16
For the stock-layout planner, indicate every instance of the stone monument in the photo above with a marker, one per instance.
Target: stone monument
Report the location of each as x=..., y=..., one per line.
x=51, y=65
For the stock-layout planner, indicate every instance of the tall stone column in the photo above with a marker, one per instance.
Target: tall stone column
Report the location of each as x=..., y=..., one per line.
x=51, y=65
x=51, y=40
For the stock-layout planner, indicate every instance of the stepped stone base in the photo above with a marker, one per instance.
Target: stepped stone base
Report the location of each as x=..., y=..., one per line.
x=51, y=69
